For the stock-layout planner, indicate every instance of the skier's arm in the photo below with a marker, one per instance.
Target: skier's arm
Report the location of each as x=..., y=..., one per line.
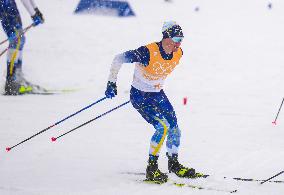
x=140, y=55
x=111, y=89
x=30, y=6
x=33, y=4
x=115, y=67
x=33, y=11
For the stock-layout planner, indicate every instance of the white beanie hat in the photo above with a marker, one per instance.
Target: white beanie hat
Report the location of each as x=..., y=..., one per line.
x=171, y=29
x=169, y=24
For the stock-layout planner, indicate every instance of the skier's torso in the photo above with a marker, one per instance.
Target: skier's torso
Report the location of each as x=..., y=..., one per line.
x=151, y=77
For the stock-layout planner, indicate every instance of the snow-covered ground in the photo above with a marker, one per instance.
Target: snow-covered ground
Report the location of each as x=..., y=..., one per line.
x=231, y=73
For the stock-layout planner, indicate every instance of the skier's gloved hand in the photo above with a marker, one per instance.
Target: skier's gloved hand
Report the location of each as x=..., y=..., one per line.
x=37, y=18
x=111, y=90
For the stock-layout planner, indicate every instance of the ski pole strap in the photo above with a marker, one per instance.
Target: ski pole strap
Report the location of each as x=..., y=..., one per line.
x=55, y=138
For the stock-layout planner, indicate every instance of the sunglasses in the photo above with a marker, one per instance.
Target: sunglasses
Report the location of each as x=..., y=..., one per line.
x=177, y=39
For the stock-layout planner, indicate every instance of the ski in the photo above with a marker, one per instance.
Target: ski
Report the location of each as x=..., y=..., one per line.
x=38, y=90
x=208, y=176
x=48, y=92
x=203, y=187
x=182, y=184
x=254, y=180
x=51, y=92
x=197, y=175
x=42, y=91
x=61, y=90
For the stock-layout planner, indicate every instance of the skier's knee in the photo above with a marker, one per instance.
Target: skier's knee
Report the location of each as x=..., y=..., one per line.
x=161, y=124
x=17, y=42
x=174, y=135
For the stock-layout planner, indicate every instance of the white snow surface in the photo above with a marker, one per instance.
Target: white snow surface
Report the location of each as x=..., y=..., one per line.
x=231, y=72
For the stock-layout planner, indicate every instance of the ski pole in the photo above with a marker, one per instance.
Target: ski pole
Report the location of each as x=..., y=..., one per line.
x=3, y=51
x=24, y=31
x=40, y=132
x=274, y=122
x=272, y=177
x=55, y=138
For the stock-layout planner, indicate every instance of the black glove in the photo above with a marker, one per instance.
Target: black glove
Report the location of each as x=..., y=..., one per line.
x=37, y=18
x=111, y=90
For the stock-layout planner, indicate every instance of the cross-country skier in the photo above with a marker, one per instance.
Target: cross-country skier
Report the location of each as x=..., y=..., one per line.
x=11, y=22
x=154, y=62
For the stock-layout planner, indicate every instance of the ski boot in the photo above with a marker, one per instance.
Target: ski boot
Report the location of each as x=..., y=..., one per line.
x=28, y=87
x=21, y=87
x=153, y=174
x=11, y=87
x=180, y=170
x=16, y=84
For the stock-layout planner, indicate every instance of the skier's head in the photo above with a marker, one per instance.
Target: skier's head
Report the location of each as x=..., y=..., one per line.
x=172, y=35
x=171, y=29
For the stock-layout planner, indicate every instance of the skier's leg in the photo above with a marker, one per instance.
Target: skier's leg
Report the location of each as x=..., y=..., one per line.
x=167, y=111
x=147, y=104
x=12, y=25
x=14, y=56
x=173, y=140
x=144, y=103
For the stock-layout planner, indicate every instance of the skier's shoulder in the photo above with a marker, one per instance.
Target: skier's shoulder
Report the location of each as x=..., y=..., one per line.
x=141, y=55
x=153, y=44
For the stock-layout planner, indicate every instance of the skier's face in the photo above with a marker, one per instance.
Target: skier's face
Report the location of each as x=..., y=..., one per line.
x=176, y=43
x=173, y=44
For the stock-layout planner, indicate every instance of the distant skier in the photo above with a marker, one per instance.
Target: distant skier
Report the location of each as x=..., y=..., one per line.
x=269, y=5
x=10, y=18
x=154, y=62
